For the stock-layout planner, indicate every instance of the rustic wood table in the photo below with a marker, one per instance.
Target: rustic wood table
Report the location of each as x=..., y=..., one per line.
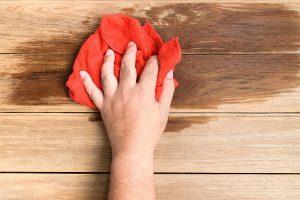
x=234, y=129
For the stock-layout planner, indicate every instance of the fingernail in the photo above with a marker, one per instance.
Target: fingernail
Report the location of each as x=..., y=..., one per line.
x=109, y=52
x=131, y=44
x=170, y=74
x=82, y=74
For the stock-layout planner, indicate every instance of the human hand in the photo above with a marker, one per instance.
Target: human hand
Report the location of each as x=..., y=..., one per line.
x=134, y=120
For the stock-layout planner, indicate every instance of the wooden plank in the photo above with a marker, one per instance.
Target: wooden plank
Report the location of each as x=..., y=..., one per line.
x=40, y=26
x=224, y=143
x=175, y=187
x=208, y=83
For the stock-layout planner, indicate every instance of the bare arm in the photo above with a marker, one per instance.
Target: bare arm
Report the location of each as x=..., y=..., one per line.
x=134, y=121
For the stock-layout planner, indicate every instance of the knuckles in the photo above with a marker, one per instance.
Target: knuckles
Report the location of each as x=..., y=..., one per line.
x=152, y=65
x=127, y=70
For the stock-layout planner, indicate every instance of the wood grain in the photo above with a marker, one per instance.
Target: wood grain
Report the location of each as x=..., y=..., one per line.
x=175, y=187
x=224, y=143
x=202, y=28
x=208, y=83
x=240, y=67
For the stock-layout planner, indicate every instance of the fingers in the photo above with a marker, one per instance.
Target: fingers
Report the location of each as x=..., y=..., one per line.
x=128, y=71
x=149, y=75
x=92, y=90
x=109, y=81
x=167, y=92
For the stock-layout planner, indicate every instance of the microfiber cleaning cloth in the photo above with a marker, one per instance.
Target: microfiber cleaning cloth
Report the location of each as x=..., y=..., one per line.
x=114, y=32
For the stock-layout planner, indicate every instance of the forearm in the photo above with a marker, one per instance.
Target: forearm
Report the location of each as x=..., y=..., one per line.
x=131, y=176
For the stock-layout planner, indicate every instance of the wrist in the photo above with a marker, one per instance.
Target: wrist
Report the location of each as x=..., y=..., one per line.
x=132, y=148
x=132, y=153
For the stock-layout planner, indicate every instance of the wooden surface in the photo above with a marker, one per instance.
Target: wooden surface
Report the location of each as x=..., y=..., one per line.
x=209, y=83
x=207, y=143
x=168, y=187
x=234, y=129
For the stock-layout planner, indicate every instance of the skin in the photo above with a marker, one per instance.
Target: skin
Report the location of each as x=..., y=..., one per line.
x=134, y=122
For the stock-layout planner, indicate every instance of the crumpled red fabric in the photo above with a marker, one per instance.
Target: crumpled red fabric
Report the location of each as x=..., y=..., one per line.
x=114, y=32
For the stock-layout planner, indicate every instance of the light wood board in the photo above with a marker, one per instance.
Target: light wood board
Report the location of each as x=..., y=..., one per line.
x=208, y=143
x=173, y=187
x=38, y=26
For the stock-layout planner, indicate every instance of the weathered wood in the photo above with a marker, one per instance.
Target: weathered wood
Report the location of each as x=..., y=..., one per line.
x=175, y=187
x=208, y=83
x=43, y=26
x=224, y=143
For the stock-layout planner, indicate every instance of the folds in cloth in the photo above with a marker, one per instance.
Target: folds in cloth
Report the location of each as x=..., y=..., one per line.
x=114, y=32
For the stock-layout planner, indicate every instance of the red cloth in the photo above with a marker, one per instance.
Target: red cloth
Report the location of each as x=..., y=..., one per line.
x=115, y=32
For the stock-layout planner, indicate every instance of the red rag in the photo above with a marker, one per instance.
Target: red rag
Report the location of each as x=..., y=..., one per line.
x=114, y=32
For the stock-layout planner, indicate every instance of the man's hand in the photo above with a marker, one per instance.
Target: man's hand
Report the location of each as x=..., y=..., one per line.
x=134, y=121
